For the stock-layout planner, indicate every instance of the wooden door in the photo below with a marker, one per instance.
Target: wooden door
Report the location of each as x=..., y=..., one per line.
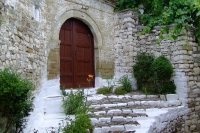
x=76, y=54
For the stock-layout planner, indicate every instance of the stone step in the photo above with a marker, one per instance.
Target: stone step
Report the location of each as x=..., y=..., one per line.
x=53, y=105
x=114, y=120
x=102, y=99
x=115, y=129
x=135, y=105
x=116, y=112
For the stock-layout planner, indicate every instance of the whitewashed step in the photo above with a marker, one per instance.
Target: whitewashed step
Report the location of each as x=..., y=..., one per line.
x=55, y=116
x=53, y=105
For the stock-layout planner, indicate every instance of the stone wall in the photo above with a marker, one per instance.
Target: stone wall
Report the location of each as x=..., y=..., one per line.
x=22, y=44
x=29, y=43
x=98, y=16
x=30, y=35
x=183, y=53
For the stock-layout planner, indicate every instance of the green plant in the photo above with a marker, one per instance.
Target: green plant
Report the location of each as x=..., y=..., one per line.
x=182, y=13
x=15, y=99
x=144, y=89
x=73, y=101
x=154, y=74
x=126, y=83
x=168, y=88
x=106, y=89
x=162, y=71
x=162, y=68
x=81, y=124
x=120, y=91
x=142, y=70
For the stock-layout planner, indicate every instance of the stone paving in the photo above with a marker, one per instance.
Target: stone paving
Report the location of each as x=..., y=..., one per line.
x=127, y=113
x=109, y=114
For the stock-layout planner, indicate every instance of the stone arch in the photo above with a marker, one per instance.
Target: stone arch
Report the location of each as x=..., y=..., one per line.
x=53, y=63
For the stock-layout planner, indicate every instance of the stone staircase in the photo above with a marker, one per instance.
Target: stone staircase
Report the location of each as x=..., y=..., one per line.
x=127, y=113
x=109, y=114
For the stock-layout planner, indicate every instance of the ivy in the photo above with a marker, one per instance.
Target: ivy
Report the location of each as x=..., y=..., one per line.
x=182, y=13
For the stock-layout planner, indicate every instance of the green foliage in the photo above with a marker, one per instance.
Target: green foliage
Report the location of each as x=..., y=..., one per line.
x=106, y=89
x=153, y=76
x=126, y=4
x=73, y=101
x=162, y=68
x=120, y=91
x=126, y=83
x=81, y=124
x=142, y=70
x=168, y=88
x=74, y=104
x=15, y=98
x=162, y=71
x=144, y=89
x=182, y=13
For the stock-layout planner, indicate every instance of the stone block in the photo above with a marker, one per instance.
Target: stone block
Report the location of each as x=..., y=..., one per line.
x=107, y=65
x=196, y=70
x=117, y=128
x=131, y=127
x=105, y=119
x=100, y=113
x=187, y=47
x=118, y=118
x=94, y=120
x=127, y=111
x=172, y=97
x=105, y=129
x=114, y=112
x=97, y=130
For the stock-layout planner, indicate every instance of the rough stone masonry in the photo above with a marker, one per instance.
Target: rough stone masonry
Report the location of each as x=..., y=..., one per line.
x=29, y=43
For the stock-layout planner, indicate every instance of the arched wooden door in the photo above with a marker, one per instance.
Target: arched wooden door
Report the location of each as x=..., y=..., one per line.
x=76, y=54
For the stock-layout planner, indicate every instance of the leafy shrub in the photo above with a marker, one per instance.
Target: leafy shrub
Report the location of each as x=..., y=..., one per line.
x=126, y=83
x=162, y=68
x=162, y=71
x=142, y=70
x=154, y=75
x=81, y=124
x=120, y=91
x=168, y=88
x=73, y=101
x=15, y=99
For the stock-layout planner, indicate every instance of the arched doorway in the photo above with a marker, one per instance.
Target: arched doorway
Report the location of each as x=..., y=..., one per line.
x=76, y=54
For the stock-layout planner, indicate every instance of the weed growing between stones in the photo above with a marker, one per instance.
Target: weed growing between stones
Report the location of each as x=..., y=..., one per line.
x=81, y=124
x=126, y=83
x=15, y=100
x=106, y=89
x=120, y=91
x=75, y=103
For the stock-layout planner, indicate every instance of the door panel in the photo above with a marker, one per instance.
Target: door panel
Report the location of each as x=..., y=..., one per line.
x=76, y=54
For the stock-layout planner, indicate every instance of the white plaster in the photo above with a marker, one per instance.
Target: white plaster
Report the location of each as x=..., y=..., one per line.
x=180, y=81
x=172, y=97
x=118, y=75
x=162, y=120
x=11, y=2
x=47, y=106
